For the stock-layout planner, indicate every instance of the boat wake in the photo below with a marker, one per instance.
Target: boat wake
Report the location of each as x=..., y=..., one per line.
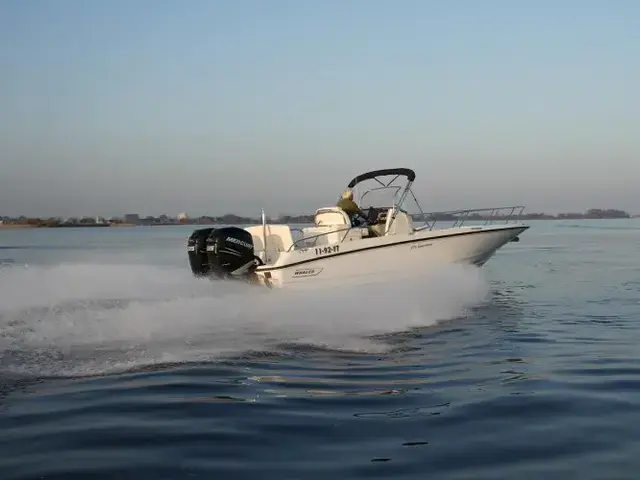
x=87, y=319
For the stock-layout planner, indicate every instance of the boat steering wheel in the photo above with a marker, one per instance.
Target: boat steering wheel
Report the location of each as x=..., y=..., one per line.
x=368, y=217
x=373, y=215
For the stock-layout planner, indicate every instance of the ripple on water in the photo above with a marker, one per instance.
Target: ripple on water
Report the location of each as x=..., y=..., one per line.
x=369, y=415
x=533, y=383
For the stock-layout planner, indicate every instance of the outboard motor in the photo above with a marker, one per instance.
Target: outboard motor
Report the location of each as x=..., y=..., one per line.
x=230, y=253
x=197, y=251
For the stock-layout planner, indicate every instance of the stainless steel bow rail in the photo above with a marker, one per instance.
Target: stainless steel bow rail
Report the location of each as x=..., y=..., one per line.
x=483, y=216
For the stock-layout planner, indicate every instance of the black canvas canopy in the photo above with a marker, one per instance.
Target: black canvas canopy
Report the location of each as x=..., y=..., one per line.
x=406, y=172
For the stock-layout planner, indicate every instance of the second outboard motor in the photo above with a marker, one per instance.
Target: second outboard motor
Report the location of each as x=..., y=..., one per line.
x=197, y=251
x=230, y=252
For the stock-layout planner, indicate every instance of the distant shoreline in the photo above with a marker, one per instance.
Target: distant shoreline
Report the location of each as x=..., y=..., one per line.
x=12, y=226
x=17, y=225
x=131, y=220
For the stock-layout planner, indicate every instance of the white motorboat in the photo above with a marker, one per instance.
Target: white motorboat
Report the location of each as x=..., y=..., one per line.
x=336, y=248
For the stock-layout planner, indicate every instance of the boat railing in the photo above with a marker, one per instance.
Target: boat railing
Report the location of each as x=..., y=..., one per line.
x=312, y=240
x=478, y=216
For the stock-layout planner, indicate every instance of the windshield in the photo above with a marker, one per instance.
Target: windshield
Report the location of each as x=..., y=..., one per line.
x=385, y=192
x=378, y=196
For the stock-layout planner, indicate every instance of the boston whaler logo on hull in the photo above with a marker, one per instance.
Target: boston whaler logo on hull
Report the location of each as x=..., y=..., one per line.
x=306, y=272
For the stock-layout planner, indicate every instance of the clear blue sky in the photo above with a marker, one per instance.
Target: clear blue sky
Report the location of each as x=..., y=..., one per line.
x=212, y=106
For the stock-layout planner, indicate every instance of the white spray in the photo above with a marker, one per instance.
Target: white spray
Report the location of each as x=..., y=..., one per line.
x=84, y=319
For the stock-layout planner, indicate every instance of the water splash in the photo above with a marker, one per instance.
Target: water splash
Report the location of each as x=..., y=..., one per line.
x=84, y=319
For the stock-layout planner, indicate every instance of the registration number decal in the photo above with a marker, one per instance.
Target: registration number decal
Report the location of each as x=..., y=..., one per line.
x=329, y=249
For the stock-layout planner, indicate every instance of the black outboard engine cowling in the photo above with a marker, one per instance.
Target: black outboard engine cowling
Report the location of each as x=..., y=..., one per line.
x=197, y=251
x=230, y=251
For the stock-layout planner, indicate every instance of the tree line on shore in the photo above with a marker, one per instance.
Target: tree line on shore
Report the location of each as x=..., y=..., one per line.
x=232, y=219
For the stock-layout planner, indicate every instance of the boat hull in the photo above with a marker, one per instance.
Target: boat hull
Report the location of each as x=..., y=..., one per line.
x=384, y=255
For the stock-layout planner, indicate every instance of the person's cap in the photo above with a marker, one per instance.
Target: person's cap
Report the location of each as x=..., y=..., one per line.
x=347, y=194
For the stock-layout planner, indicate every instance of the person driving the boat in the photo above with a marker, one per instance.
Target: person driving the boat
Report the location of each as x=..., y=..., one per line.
x=350, y=207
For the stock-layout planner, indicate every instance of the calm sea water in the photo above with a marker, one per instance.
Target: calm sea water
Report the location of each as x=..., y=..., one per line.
x=115, y=363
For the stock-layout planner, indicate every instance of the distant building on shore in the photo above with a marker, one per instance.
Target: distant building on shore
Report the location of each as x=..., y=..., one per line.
x=132, y=218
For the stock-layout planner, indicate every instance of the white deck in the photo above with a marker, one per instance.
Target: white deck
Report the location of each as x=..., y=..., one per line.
x=331, y=226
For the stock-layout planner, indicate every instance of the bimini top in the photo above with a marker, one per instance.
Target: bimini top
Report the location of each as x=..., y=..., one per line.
x=407, y=172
